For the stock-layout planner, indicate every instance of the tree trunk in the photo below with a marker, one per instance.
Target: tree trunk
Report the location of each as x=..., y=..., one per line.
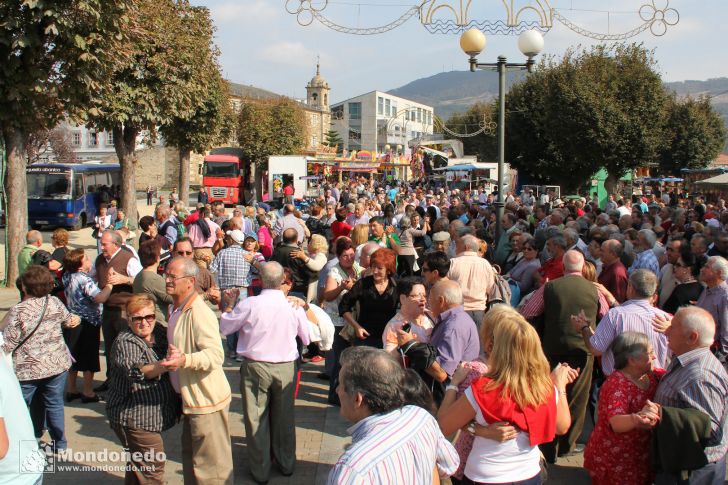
x=610, y=183
x=16, y=213
x=125, y=146
x=261, y=185
x=184, y=175
x=253, y=183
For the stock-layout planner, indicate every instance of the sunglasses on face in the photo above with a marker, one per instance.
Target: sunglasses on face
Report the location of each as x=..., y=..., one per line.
x=139, y=319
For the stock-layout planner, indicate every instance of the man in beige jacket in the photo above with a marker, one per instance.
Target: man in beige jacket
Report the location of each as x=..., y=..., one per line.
x=195, y=360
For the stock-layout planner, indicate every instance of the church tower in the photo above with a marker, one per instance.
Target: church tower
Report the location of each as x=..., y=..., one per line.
x=317, y=91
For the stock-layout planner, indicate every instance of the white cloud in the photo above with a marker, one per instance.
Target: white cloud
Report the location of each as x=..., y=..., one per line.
x=292, y=54
x=239, y=11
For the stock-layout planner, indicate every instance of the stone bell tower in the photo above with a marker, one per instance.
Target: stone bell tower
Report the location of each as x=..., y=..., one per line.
x=317, y=91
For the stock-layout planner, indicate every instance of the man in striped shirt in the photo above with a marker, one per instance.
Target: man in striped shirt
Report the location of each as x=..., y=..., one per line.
x=695, y=380
x=391, y=442
x=634, y=315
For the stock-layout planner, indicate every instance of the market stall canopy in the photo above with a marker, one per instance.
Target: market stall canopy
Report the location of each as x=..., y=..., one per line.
x=717, y=180
x=356, y=166
x=467, y=167
x=659, y=179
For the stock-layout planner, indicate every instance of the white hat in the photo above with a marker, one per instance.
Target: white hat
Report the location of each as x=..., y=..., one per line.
x=237, y=235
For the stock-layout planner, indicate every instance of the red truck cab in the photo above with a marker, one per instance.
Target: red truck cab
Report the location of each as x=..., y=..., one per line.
x=224, y=177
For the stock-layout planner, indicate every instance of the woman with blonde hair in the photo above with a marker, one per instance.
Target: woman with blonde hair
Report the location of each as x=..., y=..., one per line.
x=517, y=404
x=315, y=260
x=359, y=237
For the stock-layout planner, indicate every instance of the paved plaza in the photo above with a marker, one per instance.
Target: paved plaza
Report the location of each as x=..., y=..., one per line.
x=320, y=431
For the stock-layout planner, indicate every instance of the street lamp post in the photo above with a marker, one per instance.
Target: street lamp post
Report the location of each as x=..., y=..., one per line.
x=472, y=42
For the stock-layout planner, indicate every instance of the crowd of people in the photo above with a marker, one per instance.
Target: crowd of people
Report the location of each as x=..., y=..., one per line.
x=454, y=351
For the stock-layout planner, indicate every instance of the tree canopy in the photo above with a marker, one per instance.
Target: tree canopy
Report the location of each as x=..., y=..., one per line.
x=484, y=145
x=695, y=134
x=159, y=82
x=603, y=107
x=55, y=55
x=268, y=128
x=333, y=139
x=212, y=121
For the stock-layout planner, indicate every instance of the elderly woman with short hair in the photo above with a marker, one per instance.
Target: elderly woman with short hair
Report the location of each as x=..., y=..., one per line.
x=142, y=402
x=84, y=298
x=376, y=296
x=33, y=336
x=149, y=281
x=618, y=450
x=59, y=241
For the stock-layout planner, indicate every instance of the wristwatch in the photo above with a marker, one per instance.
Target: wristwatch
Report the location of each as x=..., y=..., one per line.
x=451, y=387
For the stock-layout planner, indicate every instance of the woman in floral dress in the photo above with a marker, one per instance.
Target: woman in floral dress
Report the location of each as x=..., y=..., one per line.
x=618, y=450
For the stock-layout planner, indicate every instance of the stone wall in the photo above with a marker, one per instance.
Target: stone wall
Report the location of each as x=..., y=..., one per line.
x=159, y=167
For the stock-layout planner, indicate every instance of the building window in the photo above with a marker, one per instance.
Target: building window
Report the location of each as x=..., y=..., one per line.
x=93, y=139
x=337, y=112
x=387, y=107
x=394, y=110
x=412, y=115
x=110, y=138
x=380, y=105
x=76, y=140
x=354, y=136
x=419, y=115
x=314, y=141
x=354, y=111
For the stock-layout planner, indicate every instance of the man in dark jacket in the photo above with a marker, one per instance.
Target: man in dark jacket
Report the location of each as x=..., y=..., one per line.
x=282, y=255
x=202, y=197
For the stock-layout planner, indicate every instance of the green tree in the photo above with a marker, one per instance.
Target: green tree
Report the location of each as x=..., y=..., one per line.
x=268, y=128
x=484, y=145
x=159, y=83
x=212, y=121
x=333, y=139
x=598, y=108
x=695, y=134
x=54, y=55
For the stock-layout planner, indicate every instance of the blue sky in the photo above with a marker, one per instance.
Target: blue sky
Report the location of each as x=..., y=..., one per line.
x=264, y=46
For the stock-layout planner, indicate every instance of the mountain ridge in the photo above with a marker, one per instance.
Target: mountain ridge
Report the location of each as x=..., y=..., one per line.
x=455, y=91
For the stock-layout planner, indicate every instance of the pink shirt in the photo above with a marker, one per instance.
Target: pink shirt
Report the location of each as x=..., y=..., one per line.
x=475, y=276
x=267, y=327
x=198, y=240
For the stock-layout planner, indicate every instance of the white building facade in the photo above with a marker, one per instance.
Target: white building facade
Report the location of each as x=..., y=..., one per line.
x=377, y=121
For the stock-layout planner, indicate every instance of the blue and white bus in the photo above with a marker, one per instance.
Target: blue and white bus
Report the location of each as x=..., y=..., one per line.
x=66, y=194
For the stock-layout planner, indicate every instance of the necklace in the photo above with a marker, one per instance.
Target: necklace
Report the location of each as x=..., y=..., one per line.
x=643, y=382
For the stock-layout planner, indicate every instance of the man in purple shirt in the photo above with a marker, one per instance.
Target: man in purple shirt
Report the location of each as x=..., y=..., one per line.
x=288, y=220
x=268, y=326
x=454, y=339
x=455, y=335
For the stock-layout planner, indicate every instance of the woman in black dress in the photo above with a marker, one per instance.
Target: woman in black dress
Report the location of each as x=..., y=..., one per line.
x=688, y=289
x=376, y=298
